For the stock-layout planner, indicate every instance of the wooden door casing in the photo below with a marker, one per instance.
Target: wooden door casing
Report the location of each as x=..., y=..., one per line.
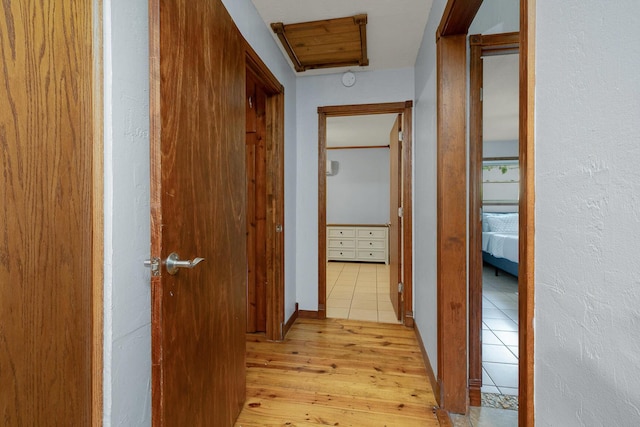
x=272, y=187
x=197, y=61
x=256, y=205
x=395, y=220
x=406, y=109
x=50, y=215
x=479, y=46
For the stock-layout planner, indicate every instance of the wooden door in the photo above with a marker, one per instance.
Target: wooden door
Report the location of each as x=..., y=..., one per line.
x=47, y=213
x=256, y=205
x=395, y=220
x=197, y=210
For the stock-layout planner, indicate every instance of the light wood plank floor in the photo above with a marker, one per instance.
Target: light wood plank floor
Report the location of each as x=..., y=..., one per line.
x=338, y=372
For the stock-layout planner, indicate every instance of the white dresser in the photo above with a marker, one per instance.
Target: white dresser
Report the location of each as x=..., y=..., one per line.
x=369, y=243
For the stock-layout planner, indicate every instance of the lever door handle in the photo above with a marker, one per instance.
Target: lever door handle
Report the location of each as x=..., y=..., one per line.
x=173, y=263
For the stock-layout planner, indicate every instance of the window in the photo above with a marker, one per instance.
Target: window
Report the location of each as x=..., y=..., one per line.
x=500, y=182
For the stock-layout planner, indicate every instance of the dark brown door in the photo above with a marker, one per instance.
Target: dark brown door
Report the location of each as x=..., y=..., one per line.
x=198, y=210
x=256, y=205
x=395, y=220
x=46, y=210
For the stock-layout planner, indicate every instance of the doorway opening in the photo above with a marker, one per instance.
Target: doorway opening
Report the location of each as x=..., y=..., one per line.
x=364, y=254
x=493, y=220
x=453, y=206
x=264, y=171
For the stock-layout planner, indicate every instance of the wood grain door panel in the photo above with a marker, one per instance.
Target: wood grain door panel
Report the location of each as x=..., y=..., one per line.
x=256, y=167
x=198, y=209
x=46, y=212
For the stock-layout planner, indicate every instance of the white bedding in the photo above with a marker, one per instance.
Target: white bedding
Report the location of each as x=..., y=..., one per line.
x=501, y=245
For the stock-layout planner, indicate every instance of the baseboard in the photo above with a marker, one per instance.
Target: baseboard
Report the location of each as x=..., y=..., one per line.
x=290, y=322
x=443, y=418
x=408, y=319
x=432, y=377
x=475, y=394
x=308, y=314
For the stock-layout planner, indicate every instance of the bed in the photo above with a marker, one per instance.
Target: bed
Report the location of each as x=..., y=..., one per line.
x=500, y=241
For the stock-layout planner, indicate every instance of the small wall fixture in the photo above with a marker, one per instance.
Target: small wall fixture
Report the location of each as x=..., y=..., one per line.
x=332, y=167
x=348, y=79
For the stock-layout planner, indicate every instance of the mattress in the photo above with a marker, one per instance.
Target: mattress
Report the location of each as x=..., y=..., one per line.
x=501, y=245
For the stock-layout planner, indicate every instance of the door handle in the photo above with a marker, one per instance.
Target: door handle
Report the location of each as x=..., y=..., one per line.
x=173, y=263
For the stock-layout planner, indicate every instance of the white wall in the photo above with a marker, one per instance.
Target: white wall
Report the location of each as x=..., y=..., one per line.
x=425, y=195
x=127, y=311
x=500, y=149
x=587, y=144
x=359, y=192
x=496, y=16
x=259, y=37
x=312, y=92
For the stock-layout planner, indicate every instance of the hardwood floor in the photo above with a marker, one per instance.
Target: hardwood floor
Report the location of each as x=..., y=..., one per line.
x=338, y=372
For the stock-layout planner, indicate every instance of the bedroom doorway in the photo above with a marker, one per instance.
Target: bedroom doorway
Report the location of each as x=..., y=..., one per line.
x=494, y=199
x=364, y=213
x=264, y=173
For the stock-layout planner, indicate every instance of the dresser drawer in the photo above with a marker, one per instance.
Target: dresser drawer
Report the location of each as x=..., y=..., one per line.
x=341, y=254
x=341, y=232
x=338, y=243
x=372, y=255
x=372, y=244
x=372, y=233
x=367, y=243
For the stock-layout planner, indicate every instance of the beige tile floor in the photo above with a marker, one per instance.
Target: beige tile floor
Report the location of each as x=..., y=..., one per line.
x=359, y=291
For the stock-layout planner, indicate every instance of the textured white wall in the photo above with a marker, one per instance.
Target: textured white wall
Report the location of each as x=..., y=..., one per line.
x=313, y=92
x=259, y=37
x=127, y=314
x=587, y=142
x=359, y=193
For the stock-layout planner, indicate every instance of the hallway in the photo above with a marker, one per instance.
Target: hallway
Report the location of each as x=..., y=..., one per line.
x=338, y=372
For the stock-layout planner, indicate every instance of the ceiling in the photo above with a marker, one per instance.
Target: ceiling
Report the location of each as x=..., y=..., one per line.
x=394, y=28
x=394, y=33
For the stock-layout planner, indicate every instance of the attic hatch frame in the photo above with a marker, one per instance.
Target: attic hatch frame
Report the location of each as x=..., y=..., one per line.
x=329, y=43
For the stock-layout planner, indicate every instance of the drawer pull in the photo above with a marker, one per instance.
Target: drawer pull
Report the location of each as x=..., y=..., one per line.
x=370, y=243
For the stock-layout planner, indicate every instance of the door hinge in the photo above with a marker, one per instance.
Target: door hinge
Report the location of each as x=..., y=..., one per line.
x=400, y=212
x=400, y=287
x=154, y=264
x=400, y=136
x=481, y=94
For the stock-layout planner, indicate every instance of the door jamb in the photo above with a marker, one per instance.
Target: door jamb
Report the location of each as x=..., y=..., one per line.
x=275, y=193
x=406, y=109
x=480, y=45
x=97, y=193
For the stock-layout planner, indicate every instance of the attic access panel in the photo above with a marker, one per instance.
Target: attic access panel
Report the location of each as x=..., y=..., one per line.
x=329, y=43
